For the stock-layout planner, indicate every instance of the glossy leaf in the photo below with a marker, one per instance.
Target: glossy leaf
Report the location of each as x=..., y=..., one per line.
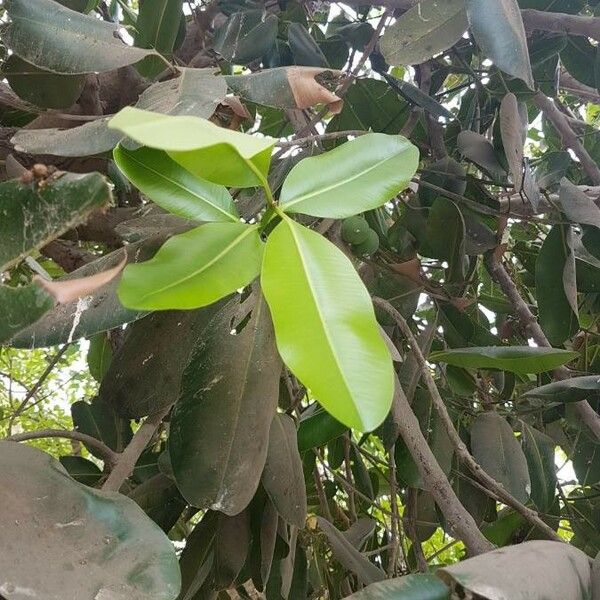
x=317, y=429
x=195, y=268
x=22, y=306
x=282, y=477
x=211, y=152
x=219, y=430
x=173, y=188
x=33, y=217
x=110, y=546
x=350, y=558
x=424, y=31
x=498, y=29
x=517, y=359
x=335, y=349
x=539, y=452
x=354, y=177
x=420, y=586
x=496, y=449
x=538, y=569
x=58, y=39
x=568, y=390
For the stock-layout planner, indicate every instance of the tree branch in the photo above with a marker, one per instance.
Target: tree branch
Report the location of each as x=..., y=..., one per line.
x=496, y=488
x=561, y=124
x=499, y=274
x=129, y=457
x=540, y=20
x=109, y=456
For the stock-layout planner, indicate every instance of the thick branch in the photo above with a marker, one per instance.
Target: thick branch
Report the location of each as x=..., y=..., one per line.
x=129, y=457
x=108, y=455
x=561, y=124
x=541, y=20
x=461, y=523
x=500, y=275
x=496, y=488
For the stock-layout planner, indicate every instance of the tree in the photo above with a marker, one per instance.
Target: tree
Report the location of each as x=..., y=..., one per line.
x=319, y=284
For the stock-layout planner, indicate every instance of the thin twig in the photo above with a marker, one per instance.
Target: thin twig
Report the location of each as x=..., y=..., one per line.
x=109, y=456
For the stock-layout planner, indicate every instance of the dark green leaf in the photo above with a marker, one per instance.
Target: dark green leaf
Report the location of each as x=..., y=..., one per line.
x=421, y=586
x=304, y=49
x=22, y=306
x=479, y=150
x=99, y=356
x=539, y=452
x=568, y=390
x=81, y=469
x=232, y=541
x=317, y=429
x=578, y=207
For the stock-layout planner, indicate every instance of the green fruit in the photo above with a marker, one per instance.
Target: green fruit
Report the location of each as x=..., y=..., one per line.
x=355, y=230
x=370, y=245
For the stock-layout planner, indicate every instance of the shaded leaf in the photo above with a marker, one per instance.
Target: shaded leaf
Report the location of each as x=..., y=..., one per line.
x=31, y=217
x=22, y=306
x=568, y=390
x=513, y=137
x=586, y=461
x=420, y=586
x=317, y=429
x=539, y=452
x=232, y=541
x=220, y=425
x=110, y=546
x=99, y=356
x=496, y=449
x=517, y=359
x=479, y=150
x=61, y=40
x=282, y=477
x=334, y=349
x=304, y=48
x=81, y=469
x=195, y=268
x=578, y=207
x=423, y=31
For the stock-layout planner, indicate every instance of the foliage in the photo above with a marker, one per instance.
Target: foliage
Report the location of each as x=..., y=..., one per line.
x=316, y=286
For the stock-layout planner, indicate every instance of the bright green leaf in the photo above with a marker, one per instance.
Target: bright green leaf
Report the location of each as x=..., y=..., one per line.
x=354, y=177
x=173, y=188
x=333, y=347
x=195, y=268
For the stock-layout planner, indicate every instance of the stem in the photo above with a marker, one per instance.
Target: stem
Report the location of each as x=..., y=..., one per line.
x=129, y=457
x=109, y=456
x=496, y=488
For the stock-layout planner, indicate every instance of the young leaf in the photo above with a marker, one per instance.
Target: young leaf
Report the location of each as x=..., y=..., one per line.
x=325, y=326
x=61, y=40
x=72, y=521
x=517, y=359
x=173, y=188
x=211, y=152
x=498, y=29
x=498, y=452
x=220, y=424
x=195, y=268
x=423, y=31
x=354, y=177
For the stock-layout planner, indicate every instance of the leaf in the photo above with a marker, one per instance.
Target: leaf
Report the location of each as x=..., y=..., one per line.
x=513, y=137
x=350, y=558
x=586, y=461
x=304, y=48
x=423, y=31
x=517, y=359
x=365, y=173
x=498, y=29
x=220, y=424
x=99, y=355
x=194, y=93
x=538, y=569
x=555, y=307
x=287, y=87
x=89, y=542
x=21, y=307
x=81, y=470
x=568, y=390
x=84, y=140
x=42, y=88
x=61, y=40
x=232, y=541
x=496, y=449
x=282, y=477
x=246, y=36
x=334, y=348
x=86, y=316
x=173, y=188
x=33, y=216
x=317, y=429
x=195, y=268
x=211, y=152
x=420, y=586
x=98, y=419
x=157, y=27
x=539, y=452
x=145, y=375
x=64, y=291
x=577, y=206
x=479, y=150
